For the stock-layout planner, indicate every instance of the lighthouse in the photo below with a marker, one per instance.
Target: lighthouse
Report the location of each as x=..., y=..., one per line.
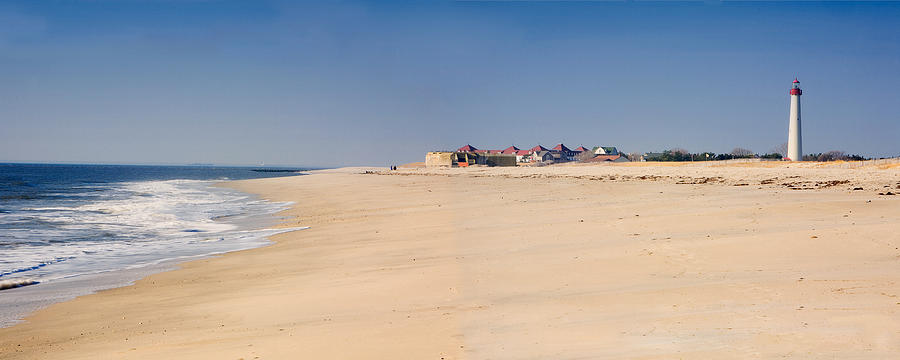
x=795, y=148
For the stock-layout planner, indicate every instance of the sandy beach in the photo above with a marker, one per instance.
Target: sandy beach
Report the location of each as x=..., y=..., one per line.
x=632, y=261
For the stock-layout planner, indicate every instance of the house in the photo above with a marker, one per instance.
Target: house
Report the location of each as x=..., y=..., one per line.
x=470, y=155
x=569, y=154
x=523, y=156
x=542, y=156
x=606, y=150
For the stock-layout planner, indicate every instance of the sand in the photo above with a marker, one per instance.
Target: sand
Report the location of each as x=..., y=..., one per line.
x=637, y=261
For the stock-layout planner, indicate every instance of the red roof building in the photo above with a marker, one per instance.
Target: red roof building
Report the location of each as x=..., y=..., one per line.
x=581, y=149
x=538, y=148
x=510, y=150
x=561, y=147
x=467, y=148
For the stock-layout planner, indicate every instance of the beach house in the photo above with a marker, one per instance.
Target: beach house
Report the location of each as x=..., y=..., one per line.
x=569, y=154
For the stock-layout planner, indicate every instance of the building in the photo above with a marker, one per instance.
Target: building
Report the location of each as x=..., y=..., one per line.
x=606, y=150
x=544, y=156
x=439, y=159
x=469, y=158
x=467, y=148
x=450, y=159
x=491, y=159
x=523, y=156
x=795, y=140
x=568, y=153
x=470, y=155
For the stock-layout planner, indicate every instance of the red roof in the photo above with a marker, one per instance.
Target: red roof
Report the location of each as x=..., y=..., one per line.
x=561, y=147
x=510, y=150
x=796, y=81
x=523, y=152
x=581, y=149
x=467, y=148
x=601, y=158
x=538, y=148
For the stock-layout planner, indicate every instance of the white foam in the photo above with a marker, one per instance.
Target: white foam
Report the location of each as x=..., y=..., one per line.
x=133, y=226
x=9, y=284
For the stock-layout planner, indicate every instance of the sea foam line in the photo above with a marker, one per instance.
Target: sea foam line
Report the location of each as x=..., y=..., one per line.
x=10, y=284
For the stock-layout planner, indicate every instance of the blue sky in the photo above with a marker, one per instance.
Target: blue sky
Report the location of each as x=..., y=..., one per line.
x=380, y=83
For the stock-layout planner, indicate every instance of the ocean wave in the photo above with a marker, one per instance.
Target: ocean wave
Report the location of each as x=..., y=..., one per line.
x=33, y=267
x=129, y=224
x=10, y=284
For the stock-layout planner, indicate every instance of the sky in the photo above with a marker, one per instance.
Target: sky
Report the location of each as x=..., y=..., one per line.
x=340, y=83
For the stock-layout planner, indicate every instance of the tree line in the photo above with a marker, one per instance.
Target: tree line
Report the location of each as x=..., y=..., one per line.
x=679, y=154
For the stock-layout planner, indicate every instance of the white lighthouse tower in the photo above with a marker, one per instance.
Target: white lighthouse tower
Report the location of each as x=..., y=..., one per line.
x=795, y=148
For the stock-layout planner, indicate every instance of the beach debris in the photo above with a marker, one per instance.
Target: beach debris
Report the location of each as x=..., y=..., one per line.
x=887, y=193
x=857, y=188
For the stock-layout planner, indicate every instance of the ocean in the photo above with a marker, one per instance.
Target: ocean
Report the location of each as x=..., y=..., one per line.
x=69, y=230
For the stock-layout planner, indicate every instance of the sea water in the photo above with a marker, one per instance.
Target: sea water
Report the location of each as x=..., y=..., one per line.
x=69, y=230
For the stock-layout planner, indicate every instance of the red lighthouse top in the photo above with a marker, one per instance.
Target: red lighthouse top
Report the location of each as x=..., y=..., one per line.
x=795, y=88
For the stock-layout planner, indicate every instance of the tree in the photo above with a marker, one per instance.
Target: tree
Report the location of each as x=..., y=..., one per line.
x=780, y=149
x=832, y=155
x=741, y=152
x=585, y=156
x=633, y=156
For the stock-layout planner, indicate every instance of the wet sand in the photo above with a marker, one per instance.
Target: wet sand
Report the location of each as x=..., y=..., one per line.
x=638, y=261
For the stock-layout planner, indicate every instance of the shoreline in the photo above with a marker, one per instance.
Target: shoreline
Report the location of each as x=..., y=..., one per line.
x=18, y=302
x=510, y=263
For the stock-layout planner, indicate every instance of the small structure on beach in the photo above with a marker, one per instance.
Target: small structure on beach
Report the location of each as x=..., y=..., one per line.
x=439, y=159
x=494, y=159
x=464, y=159
x=449, y=159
